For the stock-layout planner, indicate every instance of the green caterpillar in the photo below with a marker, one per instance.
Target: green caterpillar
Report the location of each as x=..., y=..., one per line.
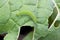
x=26, y=12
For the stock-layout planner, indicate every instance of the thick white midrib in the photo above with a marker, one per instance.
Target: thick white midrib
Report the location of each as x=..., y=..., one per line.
x=56, y=16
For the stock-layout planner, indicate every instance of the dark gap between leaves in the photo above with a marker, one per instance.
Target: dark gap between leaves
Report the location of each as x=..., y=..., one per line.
x=52, y=17
x=2, y=36
x=24, y=31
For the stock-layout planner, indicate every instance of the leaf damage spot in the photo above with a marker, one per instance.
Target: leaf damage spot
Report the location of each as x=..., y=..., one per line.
x=24, y=31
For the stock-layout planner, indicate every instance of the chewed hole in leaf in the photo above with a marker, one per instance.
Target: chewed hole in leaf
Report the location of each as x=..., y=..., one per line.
x=2, y=36
x=24, y=31
x=57, y=23
x=52, y=17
